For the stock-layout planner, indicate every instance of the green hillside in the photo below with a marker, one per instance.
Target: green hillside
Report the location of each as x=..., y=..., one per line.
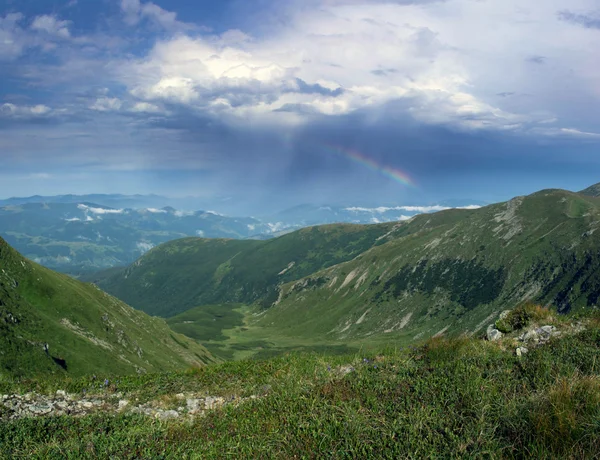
x=443, y=273
x=445, y=398
x=452, y=272
x=53, y=324
x=186, y=273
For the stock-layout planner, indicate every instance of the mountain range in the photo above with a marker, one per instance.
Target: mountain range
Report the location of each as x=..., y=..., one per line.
x=81, y=234
x=450, y=272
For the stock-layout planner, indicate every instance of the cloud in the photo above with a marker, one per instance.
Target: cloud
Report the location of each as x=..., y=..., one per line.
x=41, y=176
x=145, y=107
x=144, y=246
x=134, y=11
x=15, y=111
x=418, y=209
x=100, y=210
x=11, y=36
x=106, y=104
x=392, y=51
x=51, y=25
x=589, y=20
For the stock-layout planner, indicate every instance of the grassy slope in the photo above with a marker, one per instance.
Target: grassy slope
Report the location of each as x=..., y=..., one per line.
x=183, y=274
x=86, y=328
x=448, y=273
x=451, y=398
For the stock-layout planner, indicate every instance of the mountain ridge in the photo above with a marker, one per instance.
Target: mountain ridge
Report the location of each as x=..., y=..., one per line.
x=53, y=324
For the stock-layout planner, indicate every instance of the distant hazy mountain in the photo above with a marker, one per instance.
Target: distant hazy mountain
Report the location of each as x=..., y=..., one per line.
x=80, y=237
x=82, y=233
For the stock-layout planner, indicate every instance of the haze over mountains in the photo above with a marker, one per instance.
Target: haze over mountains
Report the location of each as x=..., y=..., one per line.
x=79, y=234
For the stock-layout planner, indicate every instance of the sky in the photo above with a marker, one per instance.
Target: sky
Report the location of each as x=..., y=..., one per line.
x=272, y=103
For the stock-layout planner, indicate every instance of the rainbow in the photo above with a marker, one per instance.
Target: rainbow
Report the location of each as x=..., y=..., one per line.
x=354, y=155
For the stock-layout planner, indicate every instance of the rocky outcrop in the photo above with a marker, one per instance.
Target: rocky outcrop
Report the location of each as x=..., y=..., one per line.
x=14, y=407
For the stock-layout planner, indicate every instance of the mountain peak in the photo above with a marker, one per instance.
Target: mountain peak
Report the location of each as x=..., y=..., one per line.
x=592, y=190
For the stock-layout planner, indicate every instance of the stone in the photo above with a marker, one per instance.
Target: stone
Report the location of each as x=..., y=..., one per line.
x=61, y=393
x=521, y=351
x=493, y=334
x=40, y=409
x=212, y=402
x=167, y=415
x=192, y=404
x=344, y=370
x=123, y=403
x=531, y=336
x=86, y=404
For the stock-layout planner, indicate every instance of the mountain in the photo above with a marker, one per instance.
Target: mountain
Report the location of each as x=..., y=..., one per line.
x=443, y=273
x=182, y=274
x=79, y=234
x=53, y=324
x=593, y=190
x=450, y=272
x=82, y=237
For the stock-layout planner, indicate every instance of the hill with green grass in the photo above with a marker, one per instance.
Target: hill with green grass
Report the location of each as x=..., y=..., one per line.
x=53, y=324
x=451, y=271
x=353, y=286
x=443, y=398
x=182, y=274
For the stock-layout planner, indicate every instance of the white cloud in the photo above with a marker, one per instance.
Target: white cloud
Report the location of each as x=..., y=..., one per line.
x=100, y=210
x=348, y=55
x=51, y=25
x=11, y=36
x=145, y=107
x=107, y=104
x=416, y=209
x=73, y=219
x=135, y=11
x=200, y=233
x=156, y=211
x=144, y=246
x=23, y=111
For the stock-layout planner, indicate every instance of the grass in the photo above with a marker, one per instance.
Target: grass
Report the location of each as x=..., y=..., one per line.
x=447, y=398
x=183, y=274
x=84, y=328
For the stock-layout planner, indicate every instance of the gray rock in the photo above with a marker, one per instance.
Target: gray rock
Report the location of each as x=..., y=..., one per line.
x=493, y=333
x=40, y=409
x=61, y=394
x=167, y=415
x=193, y=404
x=522, y=351
x=123, y=403
x=212, y=402
x=531, y=336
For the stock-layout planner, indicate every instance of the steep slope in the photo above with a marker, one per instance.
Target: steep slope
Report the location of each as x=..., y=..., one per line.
x=51, y=323
x=451, y=272
x=183, y=274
